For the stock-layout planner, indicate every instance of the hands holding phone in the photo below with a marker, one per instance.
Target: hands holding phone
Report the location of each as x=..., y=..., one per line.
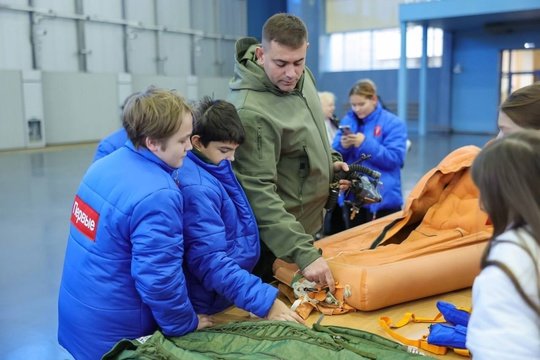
x=348, y=138
x=345, y=129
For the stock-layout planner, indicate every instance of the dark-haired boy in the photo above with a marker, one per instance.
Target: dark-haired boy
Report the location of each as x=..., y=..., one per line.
x=220, y=231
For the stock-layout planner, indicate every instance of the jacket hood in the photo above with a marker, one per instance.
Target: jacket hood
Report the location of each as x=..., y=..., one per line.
x=248, y=74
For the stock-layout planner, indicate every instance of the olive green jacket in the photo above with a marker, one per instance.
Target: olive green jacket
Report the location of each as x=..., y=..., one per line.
x=285, y=164
x=264, y=339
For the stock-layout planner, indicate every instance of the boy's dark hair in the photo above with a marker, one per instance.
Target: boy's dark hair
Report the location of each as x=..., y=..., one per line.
x=286, y=29
x=218, y=120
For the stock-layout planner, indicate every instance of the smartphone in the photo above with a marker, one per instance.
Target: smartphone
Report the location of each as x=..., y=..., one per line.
x=346, y=129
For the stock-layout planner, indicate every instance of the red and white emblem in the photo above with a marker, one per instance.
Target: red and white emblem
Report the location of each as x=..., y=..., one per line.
x=84, y=218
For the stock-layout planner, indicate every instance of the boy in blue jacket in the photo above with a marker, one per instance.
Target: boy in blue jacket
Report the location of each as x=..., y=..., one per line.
x=220, y=231
x=123, y=274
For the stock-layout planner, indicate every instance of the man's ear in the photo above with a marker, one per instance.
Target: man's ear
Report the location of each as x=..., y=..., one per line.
x=259, y=54
x=152, y=144
x=196, y=142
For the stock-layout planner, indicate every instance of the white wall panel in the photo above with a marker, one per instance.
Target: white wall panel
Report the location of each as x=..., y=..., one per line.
x=213, y=57
x=175, y=48
x=140, y=82
x=106, y=49
x=167, y=43
x=79, y=107
x=125, y=89
x=236, y=10
x=141, y=52
x=141, y=10
x=141, y=46
x=216, y=87
x=57, y=48
x=15, y=2
x=233, y=14
x=109, y=9
x=176, y=54
x=174, y=13
x=15, y=47
x=66, y=6
x=11, y=110
x=105, y=42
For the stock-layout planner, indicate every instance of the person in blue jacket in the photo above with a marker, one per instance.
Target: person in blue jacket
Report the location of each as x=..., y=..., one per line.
x=123, y=275
x=220, y=231
x=371, y=130
x=112, y=142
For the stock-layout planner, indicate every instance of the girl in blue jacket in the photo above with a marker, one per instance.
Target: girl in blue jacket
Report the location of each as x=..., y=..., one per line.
x=220, y=231
x=123, y=274
x=371, y=130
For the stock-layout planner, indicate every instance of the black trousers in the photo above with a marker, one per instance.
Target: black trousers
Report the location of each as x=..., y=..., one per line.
x=263, y=268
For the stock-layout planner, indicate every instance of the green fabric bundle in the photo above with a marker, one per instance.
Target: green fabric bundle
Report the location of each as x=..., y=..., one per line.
x=263, y=340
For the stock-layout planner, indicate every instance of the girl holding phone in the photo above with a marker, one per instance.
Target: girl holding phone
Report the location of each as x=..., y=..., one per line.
x=369, y=129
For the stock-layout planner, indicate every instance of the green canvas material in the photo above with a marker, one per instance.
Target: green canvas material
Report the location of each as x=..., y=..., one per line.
x=264, y=340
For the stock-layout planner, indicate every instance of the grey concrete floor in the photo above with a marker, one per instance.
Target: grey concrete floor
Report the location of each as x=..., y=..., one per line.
x=36, y=192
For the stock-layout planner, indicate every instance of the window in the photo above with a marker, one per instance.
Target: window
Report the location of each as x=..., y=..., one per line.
x=379, y=49
x=519, y=67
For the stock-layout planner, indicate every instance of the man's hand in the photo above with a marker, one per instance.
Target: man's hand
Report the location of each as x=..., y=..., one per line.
x=204, y=321
x=280, y=311
x=319, y=272
x=342, y=166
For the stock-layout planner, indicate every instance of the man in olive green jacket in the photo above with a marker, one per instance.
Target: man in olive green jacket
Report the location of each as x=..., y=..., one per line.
x=286, y=163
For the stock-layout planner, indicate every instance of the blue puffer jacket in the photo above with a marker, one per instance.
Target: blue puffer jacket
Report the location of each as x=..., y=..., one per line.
x=123, y=274
x=386, y=137
x=112, y=142
x=221, y=241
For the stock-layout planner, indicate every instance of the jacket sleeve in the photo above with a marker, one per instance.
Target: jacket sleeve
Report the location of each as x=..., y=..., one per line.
x=388, y=154
x=157, y=253
x=256, y=169
x=206, y=254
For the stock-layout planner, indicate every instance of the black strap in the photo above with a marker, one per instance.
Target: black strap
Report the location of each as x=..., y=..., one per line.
x=383, y=233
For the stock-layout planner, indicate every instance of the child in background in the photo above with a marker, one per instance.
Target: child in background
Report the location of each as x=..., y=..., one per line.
x=505, y=321
x=369, y=129
x=220, y=231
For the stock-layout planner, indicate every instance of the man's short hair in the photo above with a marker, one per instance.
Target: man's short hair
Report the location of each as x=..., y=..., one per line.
x=218, y=120
x=153, y=113
x=285, y=29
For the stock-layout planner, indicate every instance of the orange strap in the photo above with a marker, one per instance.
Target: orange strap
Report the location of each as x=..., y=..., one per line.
x=387, y=326
x=462, y=352
x=410, y=317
